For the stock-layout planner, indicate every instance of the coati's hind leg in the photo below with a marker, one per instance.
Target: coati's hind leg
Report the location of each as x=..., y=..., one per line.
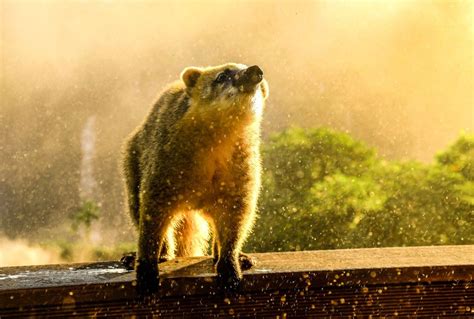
x=154, y=222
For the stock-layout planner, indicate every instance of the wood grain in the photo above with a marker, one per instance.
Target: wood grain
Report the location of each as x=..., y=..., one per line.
x=408, y=281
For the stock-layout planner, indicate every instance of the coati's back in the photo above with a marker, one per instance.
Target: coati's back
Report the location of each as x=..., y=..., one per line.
x=170, y=107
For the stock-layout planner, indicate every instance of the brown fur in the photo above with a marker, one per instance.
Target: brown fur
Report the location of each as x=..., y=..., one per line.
x=194, y=165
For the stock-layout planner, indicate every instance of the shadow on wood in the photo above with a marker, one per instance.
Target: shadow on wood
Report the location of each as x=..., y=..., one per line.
x=414, y=281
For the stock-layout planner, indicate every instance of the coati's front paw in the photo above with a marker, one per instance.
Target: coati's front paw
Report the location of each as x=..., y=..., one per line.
x=228, y=276
x=147, y=277
x=128, y=260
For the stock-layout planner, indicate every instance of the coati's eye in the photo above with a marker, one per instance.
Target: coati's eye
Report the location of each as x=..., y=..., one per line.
x=222, y=77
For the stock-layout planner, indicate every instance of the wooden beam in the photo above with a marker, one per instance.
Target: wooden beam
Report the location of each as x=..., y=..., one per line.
x=412, y=281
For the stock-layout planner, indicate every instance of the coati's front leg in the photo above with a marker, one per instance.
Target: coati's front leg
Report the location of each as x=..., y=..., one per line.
x=152, y=230
x=232, y=225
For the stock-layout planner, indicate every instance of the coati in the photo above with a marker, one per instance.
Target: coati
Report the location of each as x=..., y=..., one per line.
x=194, y=165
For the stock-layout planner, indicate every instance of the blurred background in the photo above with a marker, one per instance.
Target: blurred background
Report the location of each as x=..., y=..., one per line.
x=370, y=117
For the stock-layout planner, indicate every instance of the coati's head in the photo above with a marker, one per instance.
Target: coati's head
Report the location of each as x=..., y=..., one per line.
x=228, y=84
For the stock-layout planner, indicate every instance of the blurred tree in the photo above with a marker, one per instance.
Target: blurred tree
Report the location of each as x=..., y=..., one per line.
x=324, y=190
x=459, y=157
x=294, y=161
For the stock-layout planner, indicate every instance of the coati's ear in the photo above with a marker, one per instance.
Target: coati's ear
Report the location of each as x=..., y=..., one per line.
x=265, y=89
x=190, y=76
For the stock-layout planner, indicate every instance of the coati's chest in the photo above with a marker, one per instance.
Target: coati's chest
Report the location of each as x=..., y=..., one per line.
x=216, y=162
x=219, y=146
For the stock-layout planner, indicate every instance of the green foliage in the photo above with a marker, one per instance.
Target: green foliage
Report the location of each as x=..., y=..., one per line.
x=459, y=157
x=66, y=250
x=324, y=190
x=87, y=212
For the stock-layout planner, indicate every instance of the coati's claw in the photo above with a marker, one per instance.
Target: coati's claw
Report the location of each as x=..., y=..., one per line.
x=246, y=262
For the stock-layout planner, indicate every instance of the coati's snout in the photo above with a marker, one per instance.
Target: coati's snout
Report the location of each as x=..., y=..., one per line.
x=247, y=79
x=226, y=82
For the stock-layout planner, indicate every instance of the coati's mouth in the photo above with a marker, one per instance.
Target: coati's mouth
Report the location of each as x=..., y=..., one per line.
x=247, y=80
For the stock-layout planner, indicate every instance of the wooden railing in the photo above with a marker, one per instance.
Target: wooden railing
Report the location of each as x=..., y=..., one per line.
x=382, y=282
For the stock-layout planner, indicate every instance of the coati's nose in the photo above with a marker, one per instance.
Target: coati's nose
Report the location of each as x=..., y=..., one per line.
x=255, y=74
x=249, y=77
